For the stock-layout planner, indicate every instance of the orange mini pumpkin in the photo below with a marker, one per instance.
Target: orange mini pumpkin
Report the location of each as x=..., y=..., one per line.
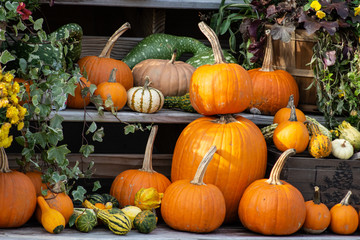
x=271, y=206
x=221, y=88
x=114, y=90
x=344, y=217
x=78, y=100
x=291, y=134
x=317, y=215
x=98, y=68
x=271, y=88
x=284, y=113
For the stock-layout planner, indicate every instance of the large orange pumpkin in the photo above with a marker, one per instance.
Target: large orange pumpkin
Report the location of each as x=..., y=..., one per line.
x=271, y=206
x=114, y=90
x=291, y=134
x=344, y=217
x=241, y=156
x=271, y=88
x=35, y=177
x=17, y=195
x=192, y=205
x=58, y=201
x=221, y=88
x=129, y=182
x=317, y=215
x=78, y=100
x=98, y=68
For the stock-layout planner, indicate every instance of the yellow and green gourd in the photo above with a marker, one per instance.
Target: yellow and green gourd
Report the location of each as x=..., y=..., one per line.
x=85, y=219
x=145, y=221
x=179, y=102
x=319, y=144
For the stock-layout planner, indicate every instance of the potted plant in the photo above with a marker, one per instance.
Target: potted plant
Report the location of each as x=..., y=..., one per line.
x=334, y=60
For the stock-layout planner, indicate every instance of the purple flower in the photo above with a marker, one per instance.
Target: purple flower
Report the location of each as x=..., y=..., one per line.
x=330, y=58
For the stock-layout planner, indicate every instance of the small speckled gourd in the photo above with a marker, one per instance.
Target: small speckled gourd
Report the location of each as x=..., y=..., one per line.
x=320, y=144
x=145, y=99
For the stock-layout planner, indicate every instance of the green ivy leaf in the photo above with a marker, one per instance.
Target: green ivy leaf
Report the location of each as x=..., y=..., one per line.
x=97, y=186
x=72, y=220
x=58, y=153
x=98, y=135
x=86, y=150
x=21, y=26
x=92, y=88
x=56, y=121
x=129, y=129
x=92, y=128
x=6, y=57
x=79, y=193
x=41, y=138
x=2, y=14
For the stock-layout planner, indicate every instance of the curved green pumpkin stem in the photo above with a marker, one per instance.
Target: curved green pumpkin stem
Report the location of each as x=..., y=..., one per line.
x=345, y=200
x=274, y=178
x=214, y=41
x=4, y=163
x=112, y=77
x=201, y=170
x=316, y=198
x=106, y=52
x=267, y=65
x=147, y=163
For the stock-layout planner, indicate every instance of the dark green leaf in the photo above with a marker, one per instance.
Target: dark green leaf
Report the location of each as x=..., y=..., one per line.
x=129, y=129
x=97, y=186
x=6, y=57
x=86, y=150
x=79, y=194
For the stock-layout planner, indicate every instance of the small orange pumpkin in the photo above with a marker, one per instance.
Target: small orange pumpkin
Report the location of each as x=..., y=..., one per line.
x=291, y=134
x=221, y=88
x=271, y=206
x=194, y=206
x=344, y=217
x=284, y=113
x=271, y=88
x=129, y=182
x=317, y=215
x=98, y=68
x=114, y=90
x=78, y=100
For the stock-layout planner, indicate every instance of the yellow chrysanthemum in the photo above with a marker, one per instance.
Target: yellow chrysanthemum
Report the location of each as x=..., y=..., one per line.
x=6, y=142
x=357, y=10
x=320, y=14
x=3, y=90
x=14, y=99
x=13, y=114
x=20, y=126
x=315, y=5
x=4, y=102
x=22, y=112
x=8, y=77
x=341, y=93
x=16, y=87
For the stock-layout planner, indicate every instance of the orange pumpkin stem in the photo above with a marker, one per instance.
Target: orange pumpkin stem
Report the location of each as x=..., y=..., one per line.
x=225, y=119
x=293, y=117
x=316, y=199
x=106, y=52
x=274, y=178
x=267, y=65
x=200, y=172
x=345, y=200
x=214, y=41
x=147, y=163
x=4, y=163
x=173, y=57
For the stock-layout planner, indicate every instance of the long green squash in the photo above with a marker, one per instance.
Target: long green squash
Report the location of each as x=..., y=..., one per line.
x=162, y=46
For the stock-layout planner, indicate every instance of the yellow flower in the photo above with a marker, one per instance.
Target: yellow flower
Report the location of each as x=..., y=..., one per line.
x=22, y=111
x=315, y=5
x=341, y=93
x=357, y=10
x=13, y=114
x=14, y=99
x=3, y=90
x=20, y=126
x=6, y=142
x=4, y=102
x=8, y=77
x=16, y=87
x=320, y=14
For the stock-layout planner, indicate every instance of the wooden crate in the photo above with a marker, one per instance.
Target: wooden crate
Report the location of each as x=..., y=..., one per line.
x=294, y=57
x=333, y=176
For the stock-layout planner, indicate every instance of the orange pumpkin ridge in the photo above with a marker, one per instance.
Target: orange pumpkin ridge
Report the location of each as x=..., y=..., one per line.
x=271, y=88
x=98, y=68
x=129, y=182
x=221, y=88
x=271, y=206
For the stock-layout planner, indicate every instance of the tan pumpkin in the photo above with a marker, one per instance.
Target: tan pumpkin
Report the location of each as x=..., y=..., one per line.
x=172, y=78
x=145, y=99
x=320, y=145
x=317, y=215
x=97, y=68
x=271, y=88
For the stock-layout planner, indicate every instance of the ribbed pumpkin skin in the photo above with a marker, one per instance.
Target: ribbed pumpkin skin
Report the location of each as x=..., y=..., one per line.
x=320, y=145
x=77, y=101
x=98, y=70
x=344, y=219
x=17, y=199
x=237, y=162
x=35, y=177
x=220, y=89
x=129, y=182
x=119, y=224
x=291, y=134
x=193, y=208
x=284, y=114
x=115, y=90
x=145, y=100
x=272, y=209
x=317, y=217
x=271, y=90
x=172, y=79
x=58, y=201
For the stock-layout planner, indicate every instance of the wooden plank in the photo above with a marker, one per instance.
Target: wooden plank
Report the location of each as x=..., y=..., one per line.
x=171, y=4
